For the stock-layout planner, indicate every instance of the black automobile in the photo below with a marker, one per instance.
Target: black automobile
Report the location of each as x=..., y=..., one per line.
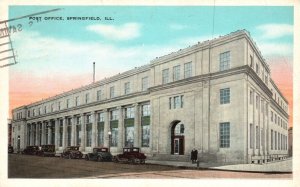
x=71, y=152
x=10, y=149
x=46, y=150
x=99, y=154
x=30, y=150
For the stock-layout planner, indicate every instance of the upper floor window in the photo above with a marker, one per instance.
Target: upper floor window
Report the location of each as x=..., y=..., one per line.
x=59, y=105
x=28, y=113
x=68, y=103
x=33, y=112
x=45, y=109
x=251, y=97
x=146, y=110
x=257, y=102
x=225, y=61
x=145, y=83
x=39, y=110
x=87, y=97
x=129, y=112
x=187, y=70
x=112, y=92
x=176, y=73
x=225, y=96
x=251, y=61
x=99, y=93
x=114, y=115
x=127, y=88
x=165, y=76
x=77, y=103
x=257, y=69
x=52, y=107
x=177, y=102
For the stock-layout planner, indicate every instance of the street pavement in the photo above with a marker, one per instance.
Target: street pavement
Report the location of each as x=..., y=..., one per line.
x=282, y=166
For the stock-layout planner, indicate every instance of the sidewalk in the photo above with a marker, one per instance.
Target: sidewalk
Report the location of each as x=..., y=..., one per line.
x=284, y=166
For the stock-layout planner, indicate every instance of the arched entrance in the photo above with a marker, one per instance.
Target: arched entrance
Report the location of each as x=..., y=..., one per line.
x=177, y=138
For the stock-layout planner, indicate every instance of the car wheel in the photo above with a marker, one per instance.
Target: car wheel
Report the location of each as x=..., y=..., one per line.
x=99, y=159
x=142, y=161
x=131, y=160
x=86, y=157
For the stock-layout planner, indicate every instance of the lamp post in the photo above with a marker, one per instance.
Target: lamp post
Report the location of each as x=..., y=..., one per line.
x=109, y=140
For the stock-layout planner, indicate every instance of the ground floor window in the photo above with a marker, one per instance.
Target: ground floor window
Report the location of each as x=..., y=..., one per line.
x=53, y=134
x=61, y=133
x=34, y=135
x=145, y=135
x=89, y=134
x=47, y=136
x=257, y=137
x=100, y=129
x=40, y=133
x=69, y=135
x=29, y=134
x=251, y=135
x=271, y=139
x=275, y=139
x=225, y=135
x=78, y=134
x=114, y=136
x=129, y=136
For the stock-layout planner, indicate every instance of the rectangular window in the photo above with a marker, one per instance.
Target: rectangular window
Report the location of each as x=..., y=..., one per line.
x=39, y=110
x=129, y=136
x=145, y=135
x=89, y=134
x=275, y=140
x=114, y=115
x=275, y=118
x=272, y=116
x=87, y=97
x=68, y=103
x=176, y=73
x=78, y=130
x=278, y=120
x=114, y=136
x=33, y=112
x=88, y=119
x=187, y=70
x=28, y=113
x=272, y=139
x=112, y=92
x=101, y=117
x=177, y=103
x=266, y=79
x=251, y=61
x=251, y=135
x=129, y=112
x=257, y=69
x=279, y=138
x=61, y=129
x=100, y=128
x=145, y=83
x=77, y=103
x=165, y=76
x=225, y=96
x=146, y=110
x=127, y=88
x=170, y=103
x=257, y=102
x=69, y=131
x=225, y=135
x=257, y=137
x=99, y=92
x=225, y=61
x=58, y=105
x=251, y=97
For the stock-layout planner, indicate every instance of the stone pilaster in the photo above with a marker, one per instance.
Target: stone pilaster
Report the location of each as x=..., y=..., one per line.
x=121, y=129
x=137, y=125
x=106, y=127
x=94, y=129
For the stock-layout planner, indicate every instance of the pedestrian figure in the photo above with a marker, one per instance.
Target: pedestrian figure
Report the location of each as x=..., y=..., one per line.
x=194, y=154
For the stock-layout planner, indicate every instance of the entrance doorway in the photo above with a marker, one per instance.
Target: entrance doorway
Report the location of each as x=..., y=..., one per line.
x=177, y=138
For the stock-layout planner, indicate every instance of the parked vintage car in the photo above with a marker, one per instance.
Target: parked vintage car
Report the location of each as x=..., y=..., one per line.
x=46, y=150
x=130, y=155
x=10, y=149
x=30, y=150
x=99, y=154
x=71, y=152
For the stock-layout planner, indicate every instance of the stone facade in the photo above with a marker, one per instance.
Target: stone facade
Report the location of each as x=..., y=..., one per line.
x=216, y=96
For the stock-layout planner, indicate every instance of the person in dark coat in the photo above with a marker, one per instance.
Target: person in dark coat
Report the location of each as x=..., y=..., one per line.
x=194, y=154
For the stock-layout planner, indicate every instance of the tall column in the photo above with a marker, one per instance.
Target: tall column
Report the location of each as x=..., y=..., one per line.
x=73, y=130
x=32, y=134
x=37, y=134
x=83, y=131
x=120, y=129
x=49, y=132
x=106, y=127
x=64, y=140
x=94, y=127
x=56, y=141
x=137, y=125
